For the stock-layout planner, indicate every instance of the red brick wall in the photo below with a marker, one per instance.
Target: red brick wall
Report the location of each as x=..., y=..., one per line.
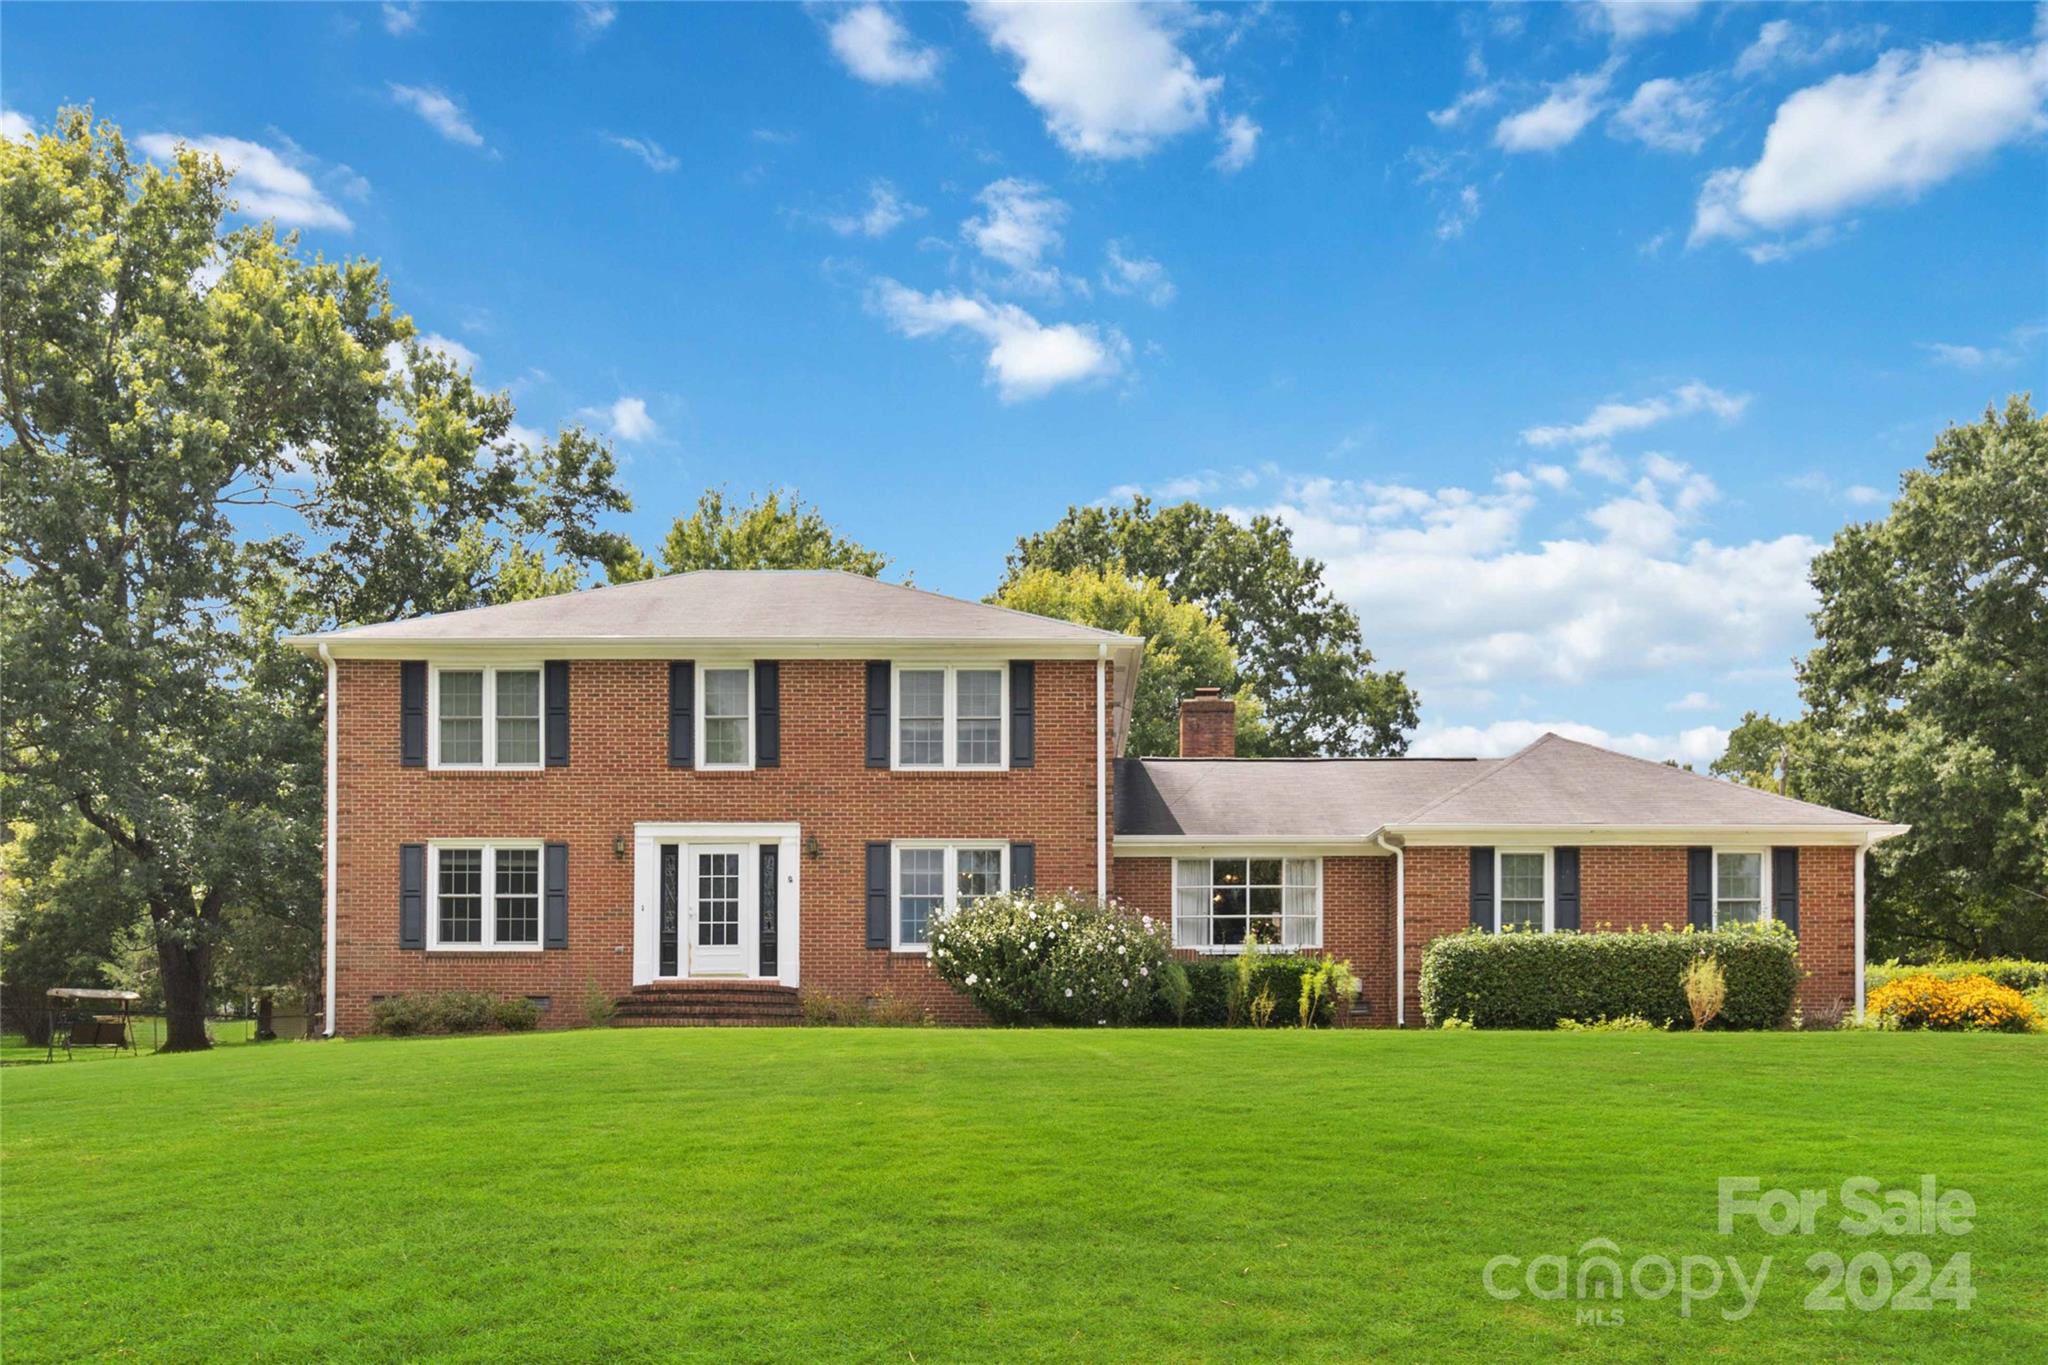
x=619, y=774
x=1645, y=887
x=1358, y=916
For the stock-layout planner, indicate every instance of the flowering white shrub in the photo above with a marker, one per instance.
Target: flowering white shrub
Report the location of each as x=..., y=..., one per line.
x=1037, y=957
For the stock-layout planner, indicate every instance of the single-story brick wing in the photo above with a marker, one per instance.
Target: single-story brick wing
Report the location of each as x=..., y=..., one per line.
x=701, y=793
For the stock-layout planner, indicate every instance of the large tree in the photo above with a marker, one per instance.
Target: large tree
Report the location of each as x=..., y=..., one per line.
x=778, y=530
x=1299, y=648
x=1184, y=648
x=206, y=436
x=1927, y=697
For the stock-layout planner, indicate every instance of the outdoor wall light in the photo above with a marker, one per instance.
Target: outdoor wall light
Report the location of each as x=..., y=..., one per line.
x=619, y=847
x=812, y=848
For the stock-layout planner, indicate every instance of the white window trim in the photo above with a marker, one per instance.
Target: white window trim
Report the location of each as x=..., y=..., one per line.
x=950, y=720
x=1763, y=882
x=1549, y=888
x=490, y=761
x=1237, y=949
x=697, y=705
x=949, y=881
x=490, y=896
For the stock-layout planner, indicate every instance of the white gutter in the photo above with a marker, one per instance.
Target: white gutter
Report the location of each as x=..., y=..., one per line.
x=333, y=786
x=1101, y=774
x=1400, y=928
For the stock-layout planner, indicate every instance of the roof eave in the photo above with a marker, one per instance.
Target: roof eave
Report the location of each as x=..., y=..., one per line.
x=1861, y=833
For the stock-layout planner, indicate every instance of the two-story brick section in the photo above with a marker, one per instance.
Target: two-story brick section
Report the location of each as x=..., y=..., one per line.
x=728, y=786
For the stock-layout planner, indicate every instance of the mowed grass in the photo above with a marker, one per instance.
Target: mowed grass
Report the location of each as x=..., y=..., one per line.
x=147, y=1031
x=984, y=1194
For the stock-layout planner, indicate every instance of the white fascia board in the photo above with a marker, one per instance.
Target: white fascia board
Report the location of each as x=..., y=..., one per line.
x=1851, y=836
x=1201, y=845
x=1126, y=649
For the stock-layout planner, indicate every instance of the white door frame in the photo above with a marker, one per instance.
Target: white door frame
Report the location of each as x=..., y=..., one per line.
x=649, y=836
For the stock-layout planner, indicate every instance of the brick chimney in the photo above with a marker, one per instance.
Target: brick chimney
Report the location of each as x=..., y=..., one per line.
x=1208, y=725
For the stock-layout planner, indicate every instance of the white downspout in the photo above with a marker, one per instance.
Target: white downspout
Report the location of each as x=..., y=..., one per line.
x=1101, y=773
x=1400, y=929
x=333, y=787
x=1862, y=855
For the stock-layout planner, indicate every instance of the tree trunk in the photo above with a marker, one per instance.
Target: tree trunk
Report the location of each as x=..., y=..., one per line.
x=185, y=973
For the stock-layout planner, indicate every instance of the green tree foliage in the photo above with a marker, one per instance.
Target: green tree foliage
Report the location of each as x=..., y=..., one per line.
x=1184, y=648
x=1758, y=754
x=1927, y=698
x=206, y=438
x=68, y=895
x=776, y=531
x=1300, y=649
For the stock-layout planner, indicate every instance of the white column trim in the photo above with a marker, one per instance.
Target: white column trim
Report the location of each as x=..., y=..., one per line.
x=1862, y=854
x=333, y=788
x=1101, y=775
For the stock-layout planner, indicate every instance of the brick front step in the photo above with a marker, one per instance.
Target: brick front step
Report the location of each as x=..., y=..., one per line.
x=708, y=1004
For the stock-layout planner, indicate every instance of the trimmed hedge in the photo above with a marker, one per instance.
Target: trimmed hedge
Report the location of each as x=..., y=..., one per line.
x=399, y=1016
x=1523, y=980
x=2016, y=973
x=1209, y=981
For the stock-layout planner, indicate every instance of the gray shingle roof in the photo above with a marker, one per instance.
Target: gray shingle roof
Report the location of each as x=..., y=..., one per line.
x=1309, y=798
x=736, y=604
x=1553, y=783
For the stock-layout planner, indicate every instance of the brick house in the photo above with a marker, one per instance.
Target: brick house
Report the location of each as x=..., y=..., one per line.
x=703, y=792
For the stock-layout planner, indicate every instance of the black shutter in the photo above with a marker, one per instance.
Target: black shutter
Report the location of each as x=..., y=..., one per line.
x=412, y=895
x=1482, y=889
x=1023, y=717
x=412, y=714
x=878, y=894
x=1023, y=867
x=878, y=718
x=1699, y=887
x=771, y=881
x=1564, y=887
x=555, y=685
x=555, y=899
x=682, y=716
x=1785, y=887
x=767, y=715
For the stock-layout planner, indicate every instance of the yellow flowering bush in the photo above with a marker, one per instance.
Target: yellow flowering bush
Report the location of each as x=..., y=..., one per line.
x=1969, y=1002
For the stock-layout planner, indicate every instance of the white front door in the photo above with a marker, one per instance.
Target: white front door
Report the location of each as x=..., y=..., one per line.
x=722, y=923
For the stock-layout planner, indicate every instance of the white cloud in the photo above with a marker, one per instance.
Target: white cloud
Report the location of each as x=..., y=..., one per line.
x=1910, y=122
x=1110, y=80
x=268, y=183
x=1698, y=746
x=450, y=350
x=1613, y=419
x=1562, y=115
x=1692, y=701
x=1629, y=20
x=1781, y=43
x=886, y=211
x=1459, y=214
x=648, y=150
x=1240, y=138
x=1019, y=225
x=1669, y=115
x=1026, y=358
x=1863, y=495
x=1552, y=476
x=14, y=124
x=442, y=114
x=401, y=19
x=594, y=17
x=627, y=419
x=1513, y=600
x=1473, y=100
x=2009, y=352
x=875, y=46
x=1141, y=275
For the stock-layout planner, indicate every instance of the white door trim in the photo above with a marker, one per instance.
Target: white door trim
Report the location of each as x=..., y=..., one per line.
x=648, y=836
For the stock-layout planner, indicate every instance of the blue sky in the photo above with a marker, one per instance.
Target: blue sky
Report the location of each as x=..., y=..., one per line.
x=1564, y=334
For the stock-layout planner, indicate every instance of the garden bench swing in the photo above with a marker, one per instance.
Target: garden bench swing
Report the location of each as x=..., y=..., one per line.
x=77, y=1011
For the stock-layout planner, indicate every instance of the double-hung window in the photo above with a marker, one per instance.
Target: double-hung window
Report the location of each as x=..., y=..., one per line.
x=951, y=717
x=936, y=879
x=486, y=717
x=486, y=897
x=1522, y=890
x=1220, y=904
x=1740, y=894
x=725, y=705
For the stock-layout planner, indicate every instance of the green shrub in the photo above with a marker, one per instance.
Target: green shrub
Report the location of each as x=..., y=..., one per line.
x=450, y=1012
x=1051, y=958
x=821, y=1009
x=1213, y=980
x=1524, y=980
x=1625, y=1023
x=2016, y=973
x=599, y=1005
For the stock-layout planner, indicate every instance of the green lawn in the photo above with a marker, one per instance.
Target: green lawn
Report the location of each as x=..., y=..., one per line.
x=148, y=1031
x=985, y=1194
